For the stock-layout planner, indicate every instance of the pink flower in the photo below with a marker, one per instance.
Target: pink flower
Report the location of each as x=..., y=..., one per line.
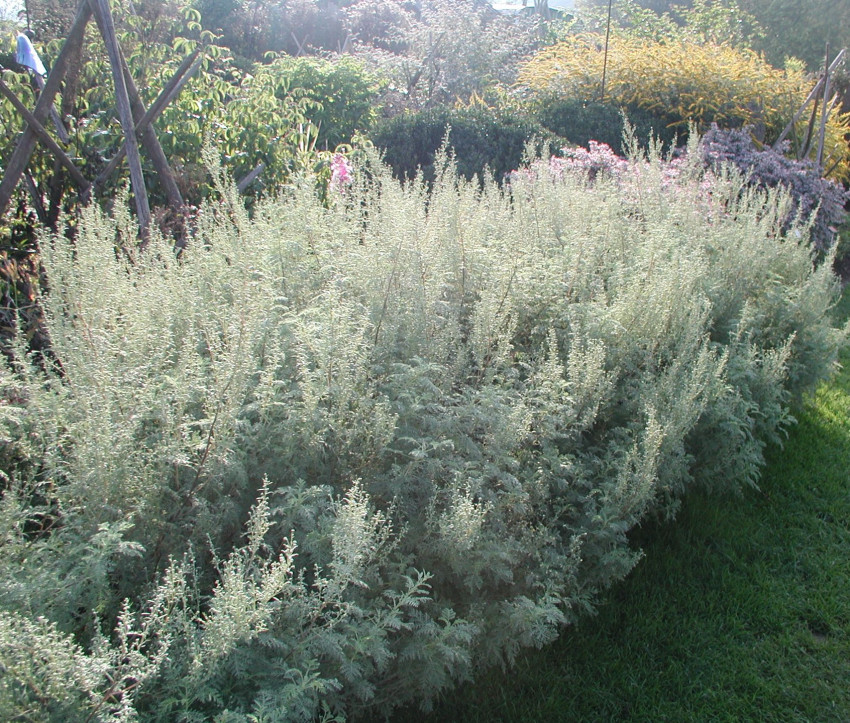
x=341, y=172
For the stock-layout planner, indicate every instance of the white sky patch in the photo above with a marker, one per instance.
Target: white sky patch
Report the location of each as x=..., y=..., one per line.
x=517, y=5
x=10, y=9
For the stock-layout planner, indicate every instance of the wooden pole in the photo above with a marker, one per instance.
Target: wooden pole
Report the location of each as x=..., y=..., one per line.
x=35, y=197
x=824, y=115
x=188, y=68
x=811, y=96
x=810, y=128
x=251, y=177
x=45, y=138
x=54, y=114
x=605, y=59
x=21, y=155
x=125, y=113
x=151, y=142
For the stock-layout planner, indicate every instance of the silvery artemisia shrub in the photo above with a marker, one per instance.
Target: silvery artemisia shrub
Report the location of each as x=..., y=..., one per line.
x=339, y=455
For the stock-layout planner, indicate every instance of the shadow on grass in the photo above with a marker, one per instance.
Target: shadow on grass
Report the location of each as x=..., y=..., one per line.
x=740, y=610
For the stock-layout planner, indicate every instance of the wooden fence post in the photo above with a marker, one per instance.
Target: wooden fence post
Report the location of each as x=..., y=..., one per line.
x=827, y=86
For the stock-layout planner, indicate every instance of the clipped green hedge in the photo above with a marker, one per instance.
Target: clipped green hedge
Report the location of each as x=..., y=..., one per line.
x=345, y=452
x=481, y=139
x=580, y=122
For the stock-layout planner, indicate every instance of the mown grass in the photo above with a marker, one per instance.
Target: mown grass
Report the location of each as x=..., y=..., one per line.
x=740, y=610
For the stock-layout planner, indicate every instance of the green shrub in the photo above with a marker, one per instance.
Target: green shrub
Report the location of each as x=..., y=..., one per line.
x=777, y=29
x=343, y=448
x=722, y=22
x=581, y=122
x=252, y=29
x=344, y=91
x=480, y=138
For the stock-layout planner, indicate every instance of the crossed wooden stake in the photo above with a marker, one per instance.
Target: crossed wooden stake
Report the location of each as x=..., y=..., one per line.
x=136, y=120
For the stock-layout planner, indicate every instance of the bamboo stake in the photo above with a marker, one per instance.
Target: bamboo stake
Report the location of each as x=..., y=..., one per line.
x=605, y=59
x=21, y=155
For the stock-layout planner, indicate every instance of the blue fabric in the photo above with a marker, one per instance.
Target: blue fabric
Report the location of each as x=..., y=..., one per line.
x=27, y=55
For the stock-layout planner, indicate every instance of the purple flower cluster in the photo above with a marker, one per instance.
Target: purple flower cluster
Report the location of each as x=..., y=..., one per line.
x=768, y=168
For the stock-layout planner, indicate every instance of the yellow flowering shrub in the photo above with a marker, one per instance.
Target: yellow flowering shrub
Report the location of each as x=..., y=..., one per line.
x=682, y=81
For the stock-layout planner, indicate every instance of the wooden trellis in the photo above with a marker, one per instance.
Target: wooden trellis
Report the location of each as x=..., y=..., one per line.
x=820, y=93
x=136, y=120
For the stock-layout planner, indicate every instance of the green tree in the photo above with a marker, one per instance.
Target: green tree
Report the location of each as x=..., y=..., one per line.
x=448, y=52
x=801, y=29
x=778, y=28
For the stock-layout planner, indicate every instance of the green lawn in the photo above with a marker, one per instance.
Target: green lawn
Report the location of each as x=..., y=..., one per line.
x=740, y=610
